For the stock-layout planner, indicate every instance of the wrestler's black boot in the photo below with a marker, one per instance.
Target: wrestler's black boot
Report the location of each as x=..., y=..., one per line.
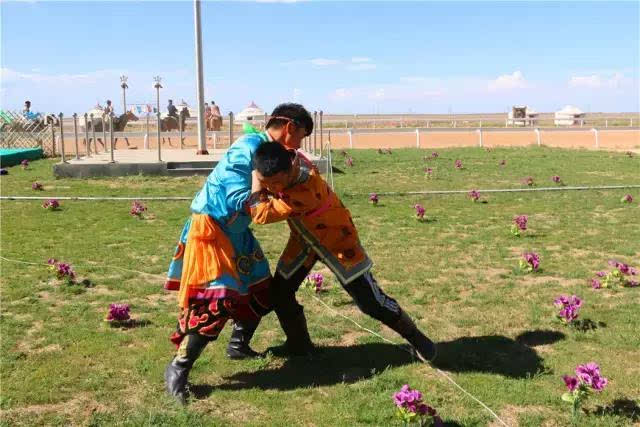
x=424, y=347
x=177, y=371
x=298, y=339
x=241, y=335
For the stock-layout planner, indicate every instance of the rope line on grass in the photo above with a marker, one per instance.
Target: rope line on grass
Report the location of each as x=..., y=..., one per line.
x=386, y=193
x=444, y=374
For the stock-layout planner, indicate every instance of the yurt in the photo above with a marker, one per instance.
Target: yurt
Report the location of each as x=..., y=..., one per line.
x=249, y=114
x=569, y=116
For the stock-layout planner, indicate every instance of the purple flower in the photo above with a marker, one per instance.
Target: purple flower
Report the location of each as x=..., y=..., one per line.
x=601, y=274
x=373, y=198
x=51, y=204
x=349, y=161
x=458, y=164
x=3, y=171
x=474, y=195
x=434, y=155
x=137, y=209
x=25, y=163
x=595, y=284
x=420, y=211
x=627, y=199
x=589, y=374
x=570, y=382
x=533, y=259
x=428, y=171
x=37, y=186
x=51, y=261
x=521, y=222
x=570, y=305
x=62, y=269
x=118, y=312
x=624, y=268
x=555, y=179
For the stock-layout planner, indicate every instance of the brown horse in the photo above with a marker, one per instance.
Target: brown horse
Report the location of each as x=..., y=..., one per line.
x=119, y=123
x=170, y=123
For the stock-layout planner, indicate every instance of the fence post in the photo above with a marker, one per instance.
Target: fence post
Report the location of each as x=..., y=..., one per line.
x=454, y=124
x=321, y=135
x=350, y=138
x=111, y=137
x=537, y=131
x=64, y=159
x=180, y=132
x=428, y=124
x=595, y=131
x=75, y=134
x=146, y=135
x=480, y=124
x=479, y=137
x=86, y=135
x=417, y=138
x=631, y=122
x=53, y=140
x=215, y=139
x=104, y=133
x=159, y=144
x=230, y=128
x=93, y=135
x=606, y=123
x=315, y=130
x=506, y=123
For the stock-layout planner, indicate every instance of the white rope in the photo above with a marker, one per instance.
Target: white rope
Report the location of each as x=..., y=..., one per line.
x=444, y=374
x=388, y=193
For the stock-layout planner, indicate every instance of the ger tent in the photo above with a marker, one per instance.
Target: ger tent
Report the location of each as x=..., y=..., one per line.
x=568, y=116
x=252, y=112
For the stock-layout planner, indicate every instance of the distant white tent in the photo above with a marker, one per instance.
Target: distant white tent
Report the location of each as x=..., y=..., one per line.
x=522, y=115
x=568, y=116
x=252, y=112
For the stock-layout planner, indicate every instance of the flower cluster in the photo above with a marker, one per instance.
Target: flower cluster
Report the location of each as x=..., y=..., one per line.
x=410, y=408
x=556, y=179
x=349, y=161
x=315, y=281
x=434, y=155
x=528, y=181
x=627, y=199
x=587, y=378
x=429, y=172
x=620, y=276
x=529, y=262
x=51, y=204
x=137, y=209
x=569, y=307
x=118, y=313
x=37, y=186
x=373, y=198
x=458, y=164
x=474, y=195
x=519, y=224
x=420, y=211
x=24, y=164
x=63, y=270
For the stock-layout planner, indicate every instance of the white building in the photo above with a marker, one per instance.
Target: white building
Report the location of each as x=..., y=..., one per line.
x=569, y=116
x=522, y=115
x=249, y=114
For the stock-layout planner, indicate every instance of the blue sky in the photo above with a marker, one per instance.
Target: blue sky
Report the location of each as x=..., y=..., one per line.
x=341, y=57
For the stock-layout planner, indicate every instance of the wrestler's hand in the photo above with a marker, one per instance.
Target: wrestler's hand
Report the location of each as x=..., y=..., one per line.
x=256, y=186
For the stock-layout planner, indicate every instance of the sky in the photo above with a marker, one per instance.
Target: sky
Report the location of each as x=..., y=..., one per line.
x=339, y=57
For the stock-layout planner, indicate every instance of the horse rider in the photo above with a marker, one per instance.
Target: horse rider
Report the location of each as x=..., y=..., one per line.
x=172, y=110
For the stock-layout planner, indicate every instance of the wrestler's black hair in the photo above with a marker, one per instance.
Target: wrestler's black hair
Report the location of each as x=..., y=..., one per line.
x=294, y=112
x=271, y=158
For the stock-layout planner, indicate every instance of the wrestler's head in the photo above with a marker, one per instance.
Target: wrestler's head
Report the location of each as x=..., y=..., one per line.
x=289, y=124
x=273, y=165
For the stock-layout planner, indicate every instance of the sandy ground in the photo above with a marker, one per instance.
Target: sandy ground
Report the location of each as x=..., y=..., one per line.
x=609, y=140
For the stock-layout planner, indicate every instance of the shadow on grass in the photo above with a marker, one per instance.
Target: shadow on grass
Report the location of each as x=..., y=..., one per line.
x=332, y=365
x=626, y=408
x=490, y=354
x=539, y=337
x=129, y=324
x=586, y=325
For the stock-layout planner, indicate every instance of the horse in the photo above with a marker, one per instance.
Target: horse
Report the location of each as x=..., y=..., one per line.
x=170, y=123
x=213, y=119
x=119, y=123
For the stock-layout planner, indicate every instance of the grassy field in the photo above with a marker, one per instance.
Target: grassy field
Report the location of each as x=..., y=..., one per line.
x=456, y=273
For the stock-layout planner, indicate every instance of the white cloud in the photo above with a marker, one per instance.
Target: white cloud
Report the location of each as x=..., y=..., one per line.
x=322, y=62
x=592, y=81
x=340, y=93
x=615, y=80
x=361, y=67
x=360, y=59
x=296, y=94
x=508, y=81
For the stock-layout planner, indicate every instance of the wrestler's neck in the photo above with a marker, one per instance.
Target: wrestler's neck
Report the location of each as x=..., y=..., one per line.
x=279, y=135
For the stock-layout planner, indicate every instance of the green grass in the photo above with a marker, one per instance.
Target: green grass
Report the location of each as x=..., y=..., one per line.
x=456, y=274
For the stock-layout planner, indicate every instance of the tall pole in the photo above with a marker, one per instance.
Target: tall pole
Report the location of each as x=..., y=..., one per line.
x=202, y=135
x=124, y=86
x=158, y=86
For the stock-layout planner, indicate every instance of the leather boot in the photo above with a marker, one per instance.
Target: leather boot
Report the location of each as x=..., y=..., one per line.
x=424, y=347
x=177, y=371
x=241, y=335
x=298, y=339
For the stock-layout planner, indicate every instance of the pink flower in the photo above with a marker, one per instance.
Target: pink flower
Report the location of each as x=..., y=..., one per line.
x=595, y=284
x=570, y=382
x=556, y=179
x=349, y=161
x=137, y=209
x=317, y=279
x=51, y=204
x=533, y=259
x=118, y=312
x=474, y=195
x=521, y=222
x=24, y=163
x=429, y=172
x=373, y=198
x=589, y=374
x=434, y=155
x=458, y=164
x=37, y=186
x=627, y=199
x=420, y=211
